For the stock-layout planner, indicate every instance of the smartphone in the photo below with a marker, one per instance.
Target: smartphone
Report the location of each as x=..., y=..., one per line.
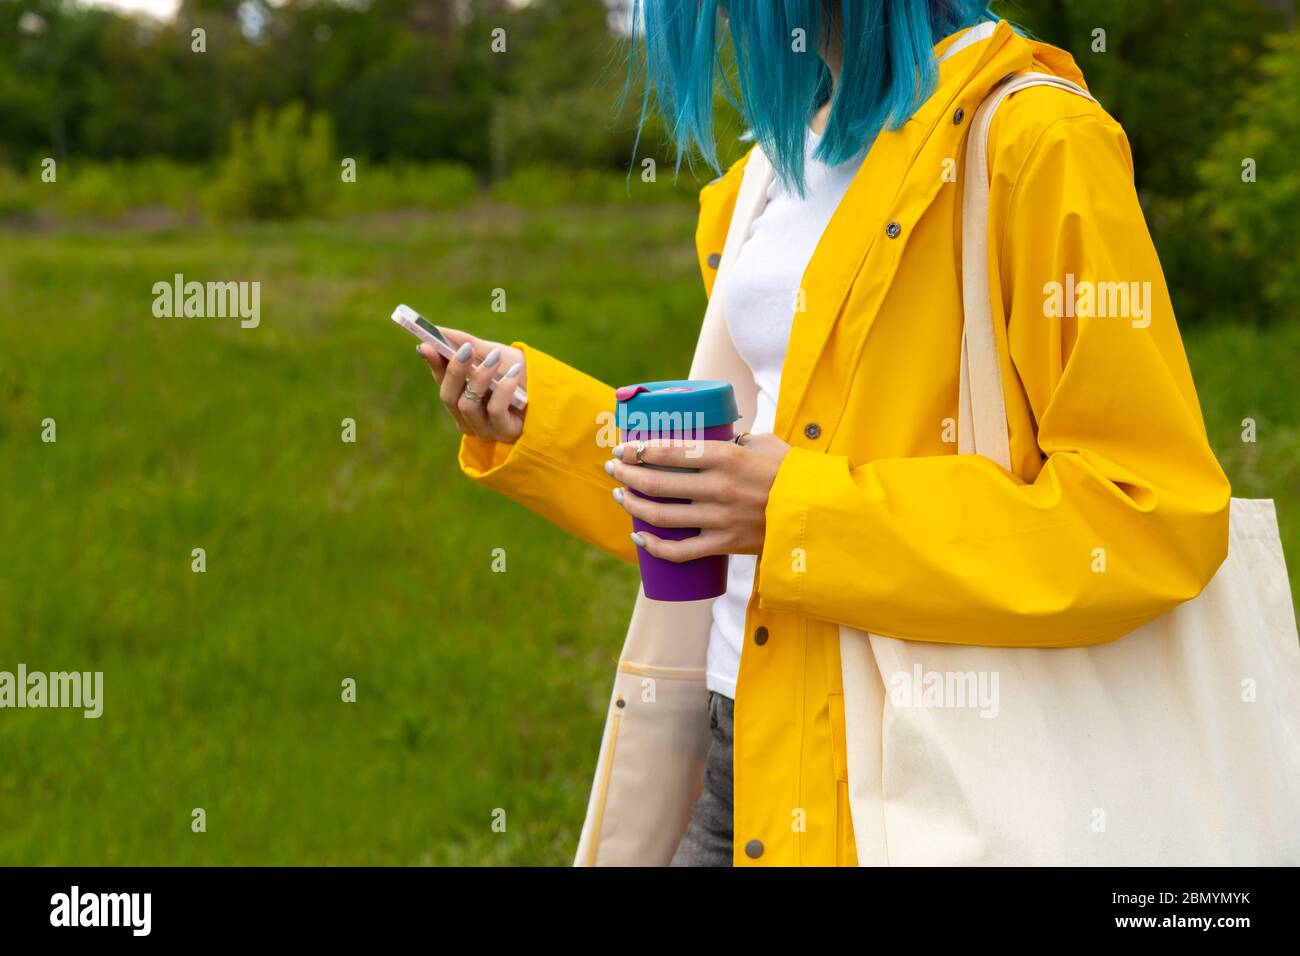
x=426, y=331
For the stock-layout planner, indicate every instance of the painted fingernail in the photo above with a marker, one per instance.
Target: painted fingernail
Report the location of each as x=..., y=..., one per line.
x=492, y=358
x=464, y=352
x=618, y=451
x=618, y=495
x=609, y=468
x=515, y=370
x=638, y=540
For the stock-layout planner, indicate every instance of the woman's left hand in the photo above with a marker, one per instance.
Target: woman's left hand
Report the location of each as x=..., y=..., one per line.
x=728, y=495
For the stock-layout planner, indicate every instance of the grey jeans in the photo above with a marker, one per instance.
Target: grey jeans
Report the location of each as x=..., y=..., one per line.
x=707, y=840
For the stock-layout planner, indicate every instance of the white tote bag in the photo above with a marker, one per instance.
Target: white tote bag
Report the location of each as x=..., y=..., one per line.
x=1178, y=744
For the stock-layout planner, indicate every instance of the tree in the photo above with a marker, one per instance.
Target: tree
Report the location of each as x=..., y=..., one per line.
x=1250, y=182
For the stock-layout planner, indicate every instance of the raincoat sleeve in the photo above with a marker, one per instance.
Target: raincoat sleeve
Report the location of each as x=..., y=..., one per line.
x=1128, y=515
x=556, y=468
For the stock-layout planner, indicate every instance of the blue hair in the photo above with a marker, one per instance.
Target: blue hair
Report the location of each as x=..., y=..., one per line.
x=888, y=70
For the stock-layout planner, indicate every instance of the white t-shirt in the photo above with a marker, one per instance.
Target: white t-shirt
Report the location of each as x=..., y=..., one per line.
x=760, y=297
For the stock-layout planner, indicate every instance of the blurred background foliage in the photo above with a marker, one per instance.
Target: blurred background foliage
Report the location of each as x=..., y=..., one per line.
x=413, y=91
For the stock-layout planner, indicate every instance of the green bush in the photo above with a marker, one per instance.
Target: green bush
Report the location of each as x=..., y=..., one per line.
x=1257, y=220
x=87, y=189
x=93, y=191
x=282, y=165
x=408, y=186
x=19, y=198
x=164, y=182
x=542, y=187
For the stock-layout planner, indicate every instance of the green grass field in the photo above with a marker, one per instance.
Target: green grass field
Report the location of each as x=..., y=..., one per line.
x=326, y=560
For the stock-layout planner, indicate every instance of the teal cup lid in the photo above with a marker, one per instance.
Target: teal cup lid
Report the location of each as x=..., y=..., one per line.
x=676, y=406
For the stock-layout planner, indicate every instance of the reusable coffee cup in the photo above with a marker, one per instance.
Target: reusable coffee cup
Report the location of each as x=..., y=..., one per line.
x=684, y=411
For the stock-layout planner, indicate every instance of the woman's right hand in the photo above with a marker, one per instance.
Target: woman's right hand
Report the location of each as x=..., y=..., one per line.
x=491, y=417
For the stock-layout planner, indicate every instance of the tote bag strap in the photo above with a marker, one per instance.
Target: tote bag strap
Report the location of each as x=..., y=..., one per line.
x=982, y=408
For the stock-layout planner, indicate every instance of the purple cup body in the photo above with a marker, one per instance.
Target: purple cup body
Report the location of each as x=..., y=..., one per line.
x=695, y=580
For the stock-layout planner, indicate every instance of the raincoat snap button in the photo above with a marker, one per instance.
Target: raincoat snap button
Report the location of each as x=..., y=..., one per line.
x=812, y=430
x=754, y=849
x=760, y=636
x=958, y=116
x=620, y=702
x=715, y=260
x=892, y=230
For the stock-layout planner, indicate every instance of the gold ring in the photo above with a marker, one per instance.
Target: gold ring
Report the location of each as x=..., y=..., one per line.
x=740, y=439
x=640, y=453
x=472, y=395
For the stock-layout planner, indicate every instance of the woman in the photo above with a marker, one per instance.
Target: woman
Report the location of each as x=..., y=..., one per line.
x=839, y=322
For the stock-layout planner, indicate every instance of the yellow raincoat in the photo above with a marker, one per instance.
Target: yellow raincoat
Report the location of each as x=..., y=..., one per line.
x=874, y=521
